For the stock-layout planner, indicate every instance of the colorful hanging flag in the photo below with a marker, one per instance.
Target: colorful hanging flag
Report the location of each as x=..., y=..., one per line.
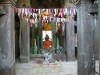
x=62, y=12
x=36, y=16
x=33, y=15
x=58, y=14
x=31, y=11
x=71, y=11
x=20, y=10
x=55, y=12
x=74, y=11
x=23, y=10
x=39, y=11
x=16, y=10
x=26, y=11
x=66, y=11
x=52, y=12
x=47, y=11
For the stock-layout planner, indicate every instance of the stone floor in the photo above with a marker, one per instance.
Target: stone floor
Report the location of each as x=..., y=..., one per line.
x=69, y=68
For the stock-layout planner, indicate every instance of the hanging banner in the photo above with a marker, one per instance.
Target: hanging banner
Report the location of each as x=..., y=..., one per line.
x=47, y=14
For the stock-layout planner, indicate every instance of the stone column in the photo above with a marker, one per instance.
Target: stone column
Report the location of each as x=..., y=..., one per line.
x=70, y=40
x=99, y=32
x=7, y=37
x=85, y=39
x=24, y=41
x=66, y=39
x=96, y=36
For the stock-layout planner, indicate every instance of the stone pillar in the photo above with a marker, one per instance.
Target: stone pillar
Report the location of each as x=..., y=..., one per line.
x=99, y=32
x=70, y=41
x=24, y=41
x=85, y=39
x=7, y=37
x=96, y=36
x=66, y=39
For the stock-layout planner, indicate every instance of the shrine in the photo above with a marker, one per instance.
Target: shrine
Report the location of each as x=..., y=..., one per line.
x=42, y=22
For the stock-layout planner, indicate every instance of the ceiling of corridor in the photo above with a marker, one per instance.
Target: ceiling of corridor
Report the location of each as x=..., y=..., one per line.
x=47, y=3
x=44, y=3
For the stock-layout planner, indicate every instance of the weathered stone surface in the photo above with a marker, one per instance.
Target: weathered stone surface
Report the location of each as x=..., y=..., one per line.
x=8, y=71
x=3, y=9
x=7, y=40
x=86, y=65
x=99, y=32
x=3, y=5
x=24, y=41
x=96, y=23
x=70, y=41
x=94, y=8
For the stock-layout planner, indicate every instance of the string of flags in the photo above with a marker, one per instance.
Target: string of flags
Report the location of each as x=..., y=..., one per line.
x=57, y=14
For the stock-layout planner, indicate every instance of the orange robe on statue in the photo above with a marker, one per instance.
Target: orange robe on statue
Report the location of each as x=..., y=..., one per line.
x=47, y=44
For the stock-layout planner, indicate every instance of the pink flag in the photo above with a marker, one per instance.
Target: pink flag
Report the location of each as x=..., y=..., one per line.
x=20, y=10
x=62, y=12
x=16, y=9
x=28, y=10
x=57, y=11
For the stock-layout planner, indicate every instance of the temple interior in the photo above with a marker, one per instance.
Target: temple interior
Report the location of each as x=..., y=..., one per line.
x=49, y=37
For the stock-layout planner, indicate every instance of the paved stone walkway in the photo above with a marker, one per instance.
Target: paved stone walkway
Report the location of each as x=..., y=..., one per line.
x=69, y=68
